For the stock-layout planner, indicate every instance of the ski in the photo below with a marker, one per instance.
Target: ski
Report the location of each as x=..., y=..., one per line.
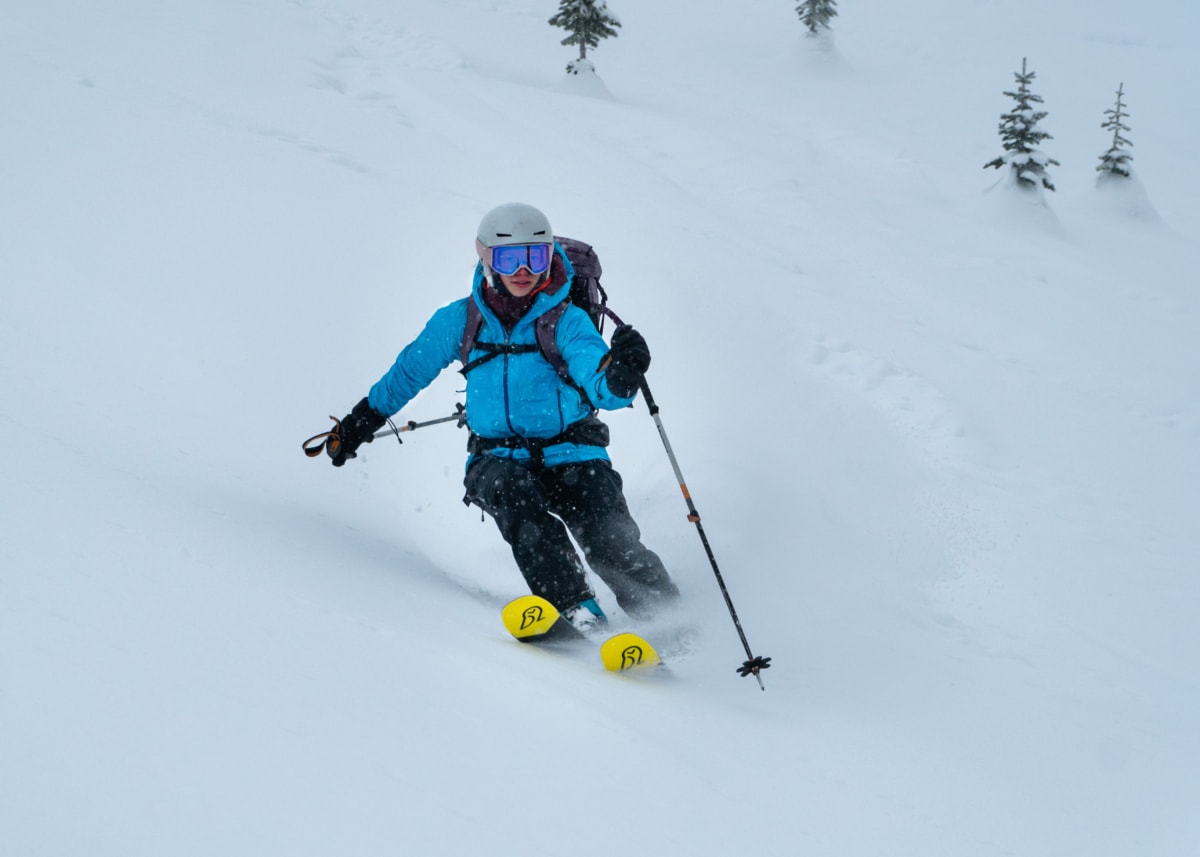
x=533, y=619
x=628, y=651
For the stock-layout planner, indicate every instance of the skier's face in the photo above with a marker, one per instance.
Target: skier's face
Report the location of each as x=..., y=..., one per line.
x=521, y=283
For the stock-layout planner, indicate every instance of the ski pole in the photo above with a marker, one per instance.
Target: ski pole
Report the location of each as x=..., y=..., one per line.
x=754, y=665
x=459, y=415
x=317, y=443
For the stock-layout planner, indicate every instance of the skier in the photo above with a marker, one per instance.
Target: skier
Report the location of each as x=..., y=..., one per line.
x=537, y=461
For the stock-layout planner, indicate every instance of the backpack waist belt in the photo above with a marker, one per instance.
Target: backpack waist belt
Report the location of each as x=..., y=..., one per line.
x=587, y=432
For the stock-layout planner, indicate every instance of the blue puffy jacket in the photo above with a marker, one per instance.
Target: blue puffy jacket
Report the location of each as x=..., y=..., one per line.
x=512, y=395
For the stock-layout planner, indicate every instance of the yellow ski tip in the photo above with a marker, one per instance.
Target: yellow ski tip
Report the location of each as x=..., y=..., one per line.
x=529, y=616
x=628, y=652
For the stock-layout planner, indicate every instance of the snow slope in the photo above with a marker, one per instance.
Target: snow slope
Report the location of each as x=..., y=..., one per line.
x=944, y=436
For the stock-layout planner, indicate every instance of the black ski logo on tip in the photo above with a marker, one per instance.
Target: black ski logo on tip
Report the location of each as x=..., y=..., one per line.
x=532, y=615
x=631, y=656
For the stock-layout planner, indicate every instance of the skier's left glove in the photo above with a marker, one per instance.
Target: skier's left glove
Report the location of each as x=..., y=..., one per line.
x=629, y=358
x=355, y=429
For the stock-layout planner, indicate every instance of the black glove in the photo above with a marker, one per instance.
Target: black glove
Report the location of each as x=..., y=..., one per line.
x=629, y=358
x=357, y=427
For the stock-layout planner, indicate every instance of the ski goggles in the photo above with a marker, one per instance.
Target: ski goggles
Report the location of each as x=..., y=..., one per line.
x=507, y=259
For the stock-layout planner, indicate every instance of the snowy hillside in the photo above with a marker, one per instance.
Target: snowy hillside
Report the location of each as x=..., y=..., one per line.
x=945, y=436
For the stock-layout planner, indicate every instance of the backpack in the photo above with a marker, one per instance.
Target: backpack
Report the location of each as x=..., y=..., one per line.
x=586, y=293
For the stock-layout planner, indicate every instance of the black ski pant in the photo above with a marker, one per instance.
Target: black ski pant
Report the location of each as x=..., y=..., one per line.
x=534, y=510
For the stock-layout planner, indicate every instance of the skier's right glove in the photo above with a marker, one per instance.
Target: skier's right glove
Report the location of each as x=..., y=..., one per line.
x=355, y=429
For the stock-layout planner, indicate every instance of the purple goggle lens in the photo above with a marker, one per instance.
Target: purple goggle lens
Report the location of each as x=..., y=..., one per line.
x=510, y=258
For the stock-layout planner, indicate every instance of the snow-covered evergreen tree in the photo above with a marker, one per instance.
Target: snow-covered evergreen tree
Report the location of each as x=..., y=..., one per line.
x=1116, y=161
x=1021, y=135
x=586, y=22
x=816, y=13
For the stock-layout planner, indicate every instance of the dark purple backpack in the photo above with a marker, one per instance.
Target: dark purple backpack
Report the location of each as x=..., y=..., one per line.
x=586, y=291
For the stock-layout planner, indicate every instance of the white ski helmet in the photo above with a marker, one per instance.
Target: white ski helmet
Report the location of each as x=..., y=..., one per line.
x=511, y=223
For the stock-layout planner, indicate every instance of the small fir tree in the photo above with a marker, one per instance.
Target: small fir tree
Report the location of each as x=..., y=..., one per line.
x=586, y=22
x=816, y=13
x=1115, y=161
x=1021, y=135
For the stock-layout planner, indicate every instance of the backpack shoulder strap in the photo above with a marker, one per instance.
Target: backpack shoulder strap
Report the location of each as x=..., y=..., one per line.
x=546, y=330
x=470, y=331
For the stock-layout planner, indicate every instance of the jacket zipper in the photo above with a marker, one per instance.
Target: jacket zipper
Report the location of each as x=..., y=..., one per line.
x=507, y=402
